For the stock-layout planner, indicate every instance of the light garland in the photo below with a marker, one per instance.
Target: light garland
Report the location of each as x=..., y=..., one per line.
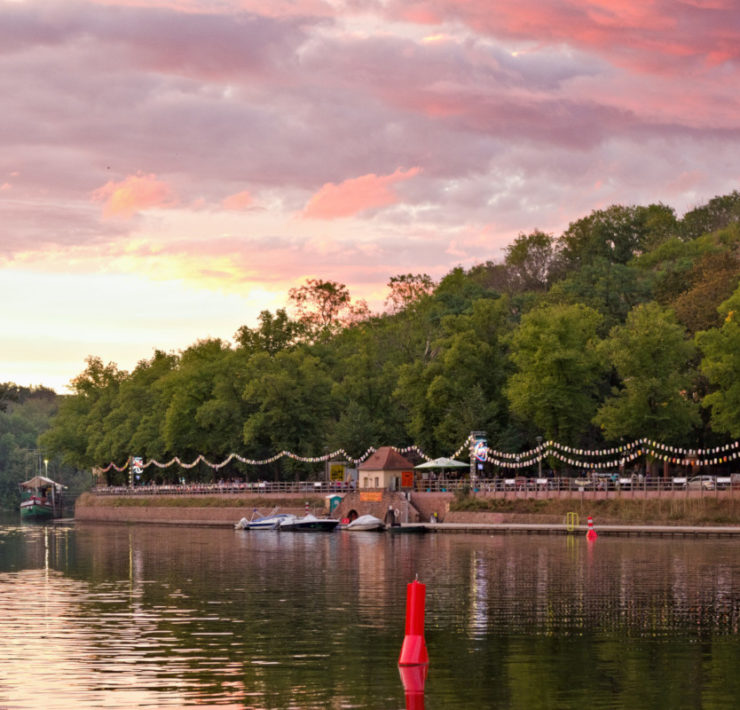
x=625, y=453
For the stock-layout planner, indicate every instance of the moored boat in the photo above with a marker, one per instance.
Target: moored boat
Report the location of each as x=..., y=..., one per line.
x=269, y=522
x=309, y=523
x=263, y=522
x=41, y=499
x=365, y=523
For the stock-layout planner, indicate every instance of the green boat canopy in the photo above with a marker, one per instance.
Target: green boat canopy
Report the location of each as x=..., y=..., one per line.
x=443, y=462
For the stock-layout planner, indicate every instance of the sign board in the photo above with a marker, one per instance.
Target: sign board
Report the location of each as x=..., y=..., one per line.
x=135, y=469
x=371, y=496
x=480, y=450
x=336, y=472
x=407, y=479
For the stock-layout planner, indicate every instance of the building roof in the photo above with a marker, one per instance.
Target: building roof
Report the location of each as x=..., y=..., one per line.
x=386, y=458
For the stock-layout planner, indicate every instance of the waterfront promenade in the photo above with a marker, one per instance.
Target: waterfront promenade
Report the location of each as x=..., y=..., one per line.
x=528, y=511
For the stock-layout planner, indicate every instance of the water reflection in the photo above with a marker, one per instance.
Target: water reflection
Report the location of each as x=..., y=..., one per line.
x=154, y=616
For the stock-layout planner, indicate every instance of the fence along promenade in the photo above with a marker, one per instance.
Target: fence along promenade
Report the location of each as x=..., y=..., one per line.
x=596, y=488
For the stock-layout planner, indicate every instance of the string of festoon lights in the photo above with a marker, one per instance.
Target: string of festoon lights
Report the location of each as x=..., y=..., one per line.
x=604, y=458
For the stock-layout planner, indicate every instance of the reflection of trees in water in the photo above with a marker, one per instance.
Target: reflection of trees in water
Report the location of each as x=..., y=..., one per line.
x=643, y=588
x=305, y=620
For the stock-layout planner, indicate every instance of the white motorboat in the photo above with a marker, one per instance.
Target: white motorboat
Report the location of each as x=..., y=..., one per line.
x=309, y=523
x=365, y=523
x=263, y=522
x=269, y=522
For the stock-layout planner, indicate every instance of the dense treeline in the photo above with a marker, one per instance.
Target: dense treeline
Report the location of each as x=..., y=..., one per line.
x=624, y=326
x=25, y=413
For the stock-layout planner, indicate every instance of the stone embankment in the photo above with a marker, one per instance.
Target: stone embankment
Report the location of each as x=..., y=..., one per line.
x=224, y=510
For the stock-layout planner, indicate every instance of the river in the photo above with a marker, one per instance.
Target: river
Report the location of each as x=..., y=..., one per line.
x=120, y=616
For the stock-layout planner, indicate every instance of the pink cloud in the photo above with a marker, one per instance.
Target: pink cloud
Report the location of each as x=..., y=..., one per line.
x=356, y=195
x=239, y=201
x=135, y=193
x=658, y=37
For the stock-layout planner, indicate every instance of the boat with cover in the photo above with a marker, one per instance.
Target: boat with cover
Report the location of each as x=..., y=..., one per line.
x=41, y=499
x=365, y=523
x=264, y=522
x=309, y=523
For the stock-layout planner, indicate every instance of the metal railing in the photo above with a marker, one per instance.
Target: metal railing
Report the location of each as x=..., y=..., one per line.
x=601, y=487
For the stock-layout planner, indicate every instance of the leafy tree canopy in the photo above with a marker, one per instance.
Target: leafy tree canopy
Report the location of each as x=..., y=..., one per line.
x=652, y=356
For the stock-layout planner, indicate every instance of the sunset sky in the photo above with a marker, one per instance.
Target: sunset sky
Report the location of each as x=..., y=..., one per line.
x=170, y=168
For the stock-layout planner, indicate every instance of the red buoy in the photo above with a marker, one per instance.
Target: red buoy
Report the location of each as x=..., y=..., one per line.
x=414, y=648
x=413, y=679
x=591, y=534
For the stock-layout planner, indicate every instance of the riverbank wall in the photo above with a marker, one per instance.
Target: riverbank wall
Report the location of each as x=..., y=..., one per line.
x=223, y=510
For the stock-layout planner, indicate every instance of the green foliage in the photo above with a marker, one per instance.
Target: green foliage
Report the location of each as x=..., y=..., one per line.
x=718, y=213
x=275, y=333
x=530, y=259
x=652, y=357
x=204, y=402
x=610, y=288
x=511, y=348
x=559, y=370
x=25, y=416
x=616, y=234
x=290, y=405
x=407, y=289
x=459, y=389
x=711, y=280
x=721, y=365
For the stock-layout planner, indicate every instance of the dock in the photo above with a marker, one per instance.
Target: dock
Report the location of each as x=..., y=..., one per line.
x=608, y=530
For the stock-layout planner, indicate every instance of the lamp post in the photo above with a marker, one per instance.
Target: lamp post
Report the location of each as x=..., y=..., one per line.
x=539, y=461
x=477, y=449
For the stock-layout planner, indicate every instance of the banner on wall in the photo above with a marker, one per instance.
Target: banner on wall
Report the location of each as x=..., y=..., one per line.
x=336, y=472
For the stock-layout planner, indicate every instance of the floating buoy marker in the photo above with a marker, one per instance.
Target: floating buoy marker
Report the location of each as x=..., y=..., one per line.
x=414, y=648
x=413, y=679
x=591, y=534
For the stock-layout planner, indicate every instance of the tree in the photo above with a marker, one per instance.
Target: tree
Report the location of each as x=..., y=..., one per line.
x=290, y=404
x=137, y=422
x=363, y=363
x=616, y=234
x=719, y=212
x=275, y=333
x=25, y=415
x=710, y=282
x=529, y=260
x=323, y=307
x=9, y=392
x=77, y=433
x=652, y=357
x=407, y=289
x=460, y=389
x=611, y=289
x=559, y=370
x=197, y=421
x=721, y=365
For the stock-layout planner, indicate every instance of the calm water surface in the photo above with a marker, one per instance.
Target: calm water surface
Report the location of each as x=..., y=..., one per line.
x=105, y=616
